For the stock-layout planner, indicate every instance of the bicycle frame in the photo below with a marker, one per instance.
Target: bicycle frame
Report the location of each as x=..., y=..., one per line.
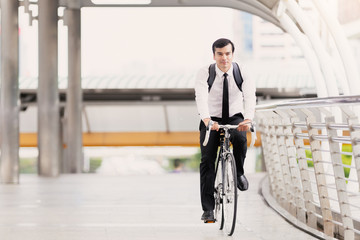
x=224, y=150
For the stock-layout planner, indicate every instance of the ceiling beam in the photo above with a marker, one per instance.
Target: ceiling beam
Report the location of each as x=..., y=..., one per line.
x=254, y=7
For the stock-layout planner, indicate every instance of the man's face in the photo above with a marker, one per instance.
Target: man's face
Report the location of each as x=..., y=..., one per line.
x=223, y=57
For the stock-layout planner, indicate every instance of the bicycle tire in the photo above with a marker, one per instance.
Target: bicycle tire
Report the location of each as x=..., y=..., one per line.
x=219, y=209
x=230, y=194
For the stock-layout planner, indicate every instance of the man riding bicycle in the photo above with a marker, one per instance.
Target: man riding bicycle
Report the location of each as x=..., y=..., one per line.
x=228, y=98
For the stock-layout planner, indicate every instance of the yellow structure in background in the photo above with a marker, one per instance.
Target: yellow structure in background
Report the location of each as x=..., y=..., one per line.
x=186, y=139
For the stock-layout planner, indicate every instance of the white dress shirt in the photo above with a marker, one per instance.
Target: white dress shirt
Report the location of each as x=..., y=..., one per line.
x=209, y=104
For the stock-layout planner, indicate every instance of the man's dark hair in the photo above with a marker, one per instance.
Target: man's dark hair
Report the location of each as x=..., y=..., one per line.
x=222, y=42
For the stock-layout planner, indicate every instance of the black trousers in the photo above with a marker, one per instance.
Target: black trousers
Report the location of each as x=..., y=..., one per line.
x=209, y=154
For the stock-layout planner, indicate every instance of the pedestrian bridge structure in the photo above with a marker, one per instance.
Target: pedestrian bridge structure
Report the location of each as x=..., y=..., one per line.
x=310, y=146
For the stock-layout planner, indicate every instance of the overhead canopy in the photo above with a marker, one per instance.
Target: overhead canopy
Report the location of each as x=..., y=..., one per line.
x=288, y=16
x=261, y=8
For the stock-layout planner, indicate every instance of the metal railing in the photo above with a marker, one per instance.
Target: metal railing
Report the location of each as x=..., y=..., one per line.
x=311, y=149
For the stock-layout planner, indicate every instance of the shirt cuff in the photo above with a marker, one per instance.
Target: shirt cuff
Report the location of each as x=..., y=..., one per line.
x=248, y=116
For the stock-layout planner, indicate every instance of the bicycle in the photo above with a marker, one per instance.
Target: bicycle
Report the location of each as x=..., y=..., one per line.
x=225, y=189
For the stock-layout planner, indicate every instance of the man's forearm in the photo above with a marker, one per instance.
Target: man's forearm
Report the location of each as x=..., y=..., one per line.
x=206, y=121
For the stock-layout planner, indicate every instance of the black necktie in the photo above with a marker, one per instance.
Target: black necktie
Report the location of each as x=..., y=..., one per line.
x=225, y=102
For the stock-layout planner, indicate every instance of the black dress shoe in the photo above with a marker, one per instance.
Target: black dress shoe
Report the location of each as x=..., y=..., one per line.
x=208, y=216
x=242, y=183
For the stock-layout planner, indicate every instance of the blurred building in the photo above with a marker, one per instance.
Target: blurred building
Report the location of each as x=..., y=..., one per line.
x=349, y=17
x=272, y=43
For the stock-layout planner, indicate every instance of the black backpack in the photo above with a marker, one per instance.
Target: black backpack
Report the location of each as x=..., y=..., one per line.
x=236, y=71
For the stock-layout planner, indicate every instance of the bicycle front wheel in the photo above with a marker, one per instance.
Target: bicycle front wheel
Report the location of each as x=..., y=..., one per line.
x=230, y=194
x=218, y=192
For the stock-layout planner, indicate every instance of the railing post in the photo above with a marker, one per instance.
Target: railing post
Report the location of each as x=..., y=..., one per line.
x=352, y=119
x=340, y=181
x=294, y=167
x=274, y=153
x=319, y=175
x=289, y=187
x=269, y=158
x=304, y=174
x=263, y=128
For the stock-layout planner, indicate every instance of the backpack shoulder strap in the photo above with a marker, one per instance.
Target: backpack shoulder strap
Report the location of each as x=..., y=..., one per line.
x=212, y=75
x=237, y=75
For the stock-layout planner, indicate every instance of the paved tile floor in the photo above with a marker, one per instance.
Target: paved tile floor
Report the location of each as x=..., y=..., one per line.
x=91, y=206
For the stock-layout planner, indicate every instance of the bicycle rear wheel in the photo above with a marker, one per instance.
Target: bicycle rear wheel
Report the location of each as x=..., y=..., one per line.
x=218, y=190
x=230, y=194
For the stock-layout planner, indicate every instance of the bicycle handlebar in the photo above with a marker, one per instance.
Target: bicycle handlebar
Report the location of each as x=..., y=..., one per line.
x=228, y=126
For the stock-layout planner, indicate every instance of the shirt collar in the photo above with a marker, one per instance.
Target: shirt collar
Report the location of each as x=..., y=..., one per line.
x=221, y=73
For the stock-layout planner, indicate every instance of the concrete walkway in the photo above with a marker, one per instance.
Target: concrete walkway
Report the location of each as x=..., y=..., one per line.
x=91, y=206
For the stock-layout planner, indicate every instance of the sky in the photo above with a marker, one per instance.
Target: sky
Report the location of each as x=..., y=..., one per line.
x=123, y=40
x=152, y=39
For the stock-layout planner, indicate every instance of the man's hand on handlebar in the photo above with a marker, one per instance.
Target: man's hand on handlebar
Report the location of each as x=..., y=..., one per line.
x=215, y=125
x=245, y=125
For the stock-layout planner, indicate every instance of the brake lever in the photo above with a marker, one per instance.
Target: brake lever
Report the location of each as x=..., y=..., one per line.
x=253, y=134
x=252, y=127
x=208, y=130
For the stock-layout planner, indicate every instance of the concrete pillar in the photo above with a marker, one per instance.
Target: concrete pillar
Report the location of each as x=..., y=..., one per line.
x=9, y=116
x=48, y=93
x=74, y=93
